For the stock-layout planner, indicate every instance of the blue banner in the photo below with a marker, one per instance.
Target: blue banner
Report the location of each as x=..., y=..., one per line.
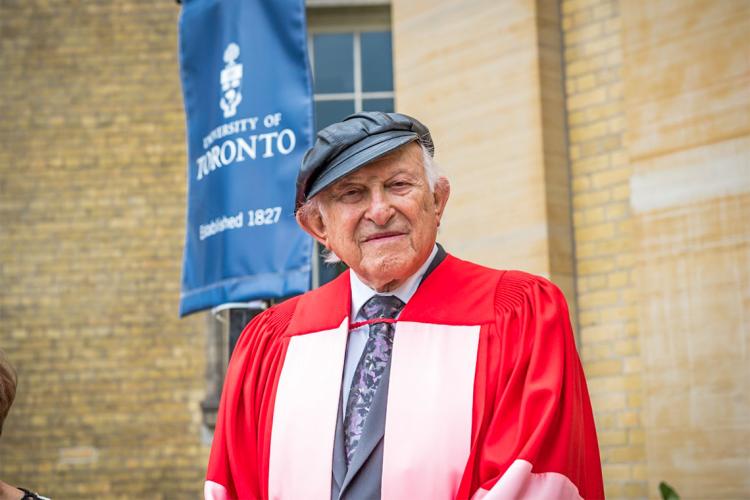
x=248, y=100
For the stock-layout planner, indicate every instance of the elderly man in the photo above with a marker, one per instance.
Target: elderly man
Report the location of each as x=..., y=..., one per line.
x=414, y=375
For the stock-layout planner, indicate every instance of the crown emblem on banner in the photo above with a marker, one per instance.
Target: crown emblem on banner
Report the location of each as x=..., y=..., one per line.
x=231, y=79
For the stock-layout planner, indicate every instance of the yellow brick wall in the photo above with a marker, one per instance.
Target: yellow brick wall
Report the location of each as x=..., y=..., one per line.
x=92, y=190
x=603, y=233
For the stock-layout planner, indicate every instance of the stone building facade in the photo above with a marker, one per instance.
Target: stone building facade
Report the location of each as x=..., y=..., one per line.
x=602, y=143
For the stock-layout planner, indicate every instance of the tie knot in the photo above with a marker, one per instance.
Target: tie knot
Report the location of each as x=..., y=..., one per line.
x=382, y=306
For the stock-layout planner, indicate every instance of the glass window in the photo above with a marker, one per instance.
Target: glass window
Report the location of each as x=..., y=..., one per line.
x=352, y=71
x=333, y=56
x=377, y=65
x=327, y=112
x=378, y=105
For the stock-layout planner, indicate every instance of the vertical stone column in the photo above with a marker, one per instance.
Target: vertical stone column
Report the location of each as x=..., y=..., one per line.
x=486, y=77
x=687, y=102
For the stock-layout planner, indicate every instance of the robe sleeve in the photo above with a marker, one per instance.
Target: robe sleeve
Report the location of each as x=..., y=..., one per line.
x=533, y=429
x=238, y=463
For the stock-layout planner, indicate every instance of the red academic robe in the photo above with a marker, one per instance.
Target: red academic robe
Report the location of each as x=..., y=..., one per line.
x=487, y=398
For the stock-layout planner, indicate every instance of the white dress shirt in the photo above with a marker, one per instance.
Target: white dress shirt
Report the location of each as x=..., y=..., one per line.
x=361, y=293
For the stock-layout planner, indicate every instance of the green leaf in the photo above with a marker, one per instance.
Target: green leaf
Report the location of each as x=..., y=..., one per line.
x=667, y=492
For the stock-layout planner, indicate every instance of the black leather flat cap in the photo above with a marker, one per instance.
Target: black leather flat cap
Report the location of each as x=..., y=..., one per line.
x=359, y=139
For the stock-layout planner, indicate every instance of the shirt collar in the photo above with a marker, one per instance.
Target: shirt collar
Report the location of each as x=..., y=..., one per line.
x=361, y=293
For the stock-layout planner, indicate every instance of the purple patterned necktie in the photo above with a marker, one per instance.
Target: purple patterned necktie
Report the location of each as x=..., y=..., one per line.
x=370, y=368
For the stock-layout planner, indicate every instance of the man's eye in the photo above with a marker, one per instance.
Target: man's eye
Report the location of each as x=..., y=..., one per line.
x=349, y=194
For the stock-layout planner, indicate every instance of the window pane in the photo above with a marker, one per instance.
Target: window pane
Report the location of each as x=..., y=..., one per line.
x=377, y=64
x=385, y=105
x=329, y=271
x=238, y=319
x=327, y=112
x=334, y=62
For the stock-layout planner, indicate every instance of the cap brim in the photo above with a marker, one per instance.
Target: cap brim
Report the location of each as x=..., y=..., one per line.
x=360, y=154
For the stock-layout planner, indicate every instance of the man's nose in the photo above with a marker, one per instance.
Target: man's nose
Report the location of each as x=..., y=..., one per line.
x=380, y=209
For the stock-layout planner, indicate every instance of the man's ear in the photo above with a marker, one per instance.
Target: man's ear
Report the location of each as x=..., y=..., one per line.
x=441, y=194
x=310, y=219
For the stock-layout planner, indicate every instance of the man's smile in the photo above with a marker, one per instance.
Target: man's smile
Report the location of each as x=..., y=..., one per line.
x=383, y=237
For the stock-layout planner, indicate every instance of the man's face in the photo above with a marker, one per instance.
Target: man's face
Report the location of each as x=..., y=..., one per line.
x=382, y=219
